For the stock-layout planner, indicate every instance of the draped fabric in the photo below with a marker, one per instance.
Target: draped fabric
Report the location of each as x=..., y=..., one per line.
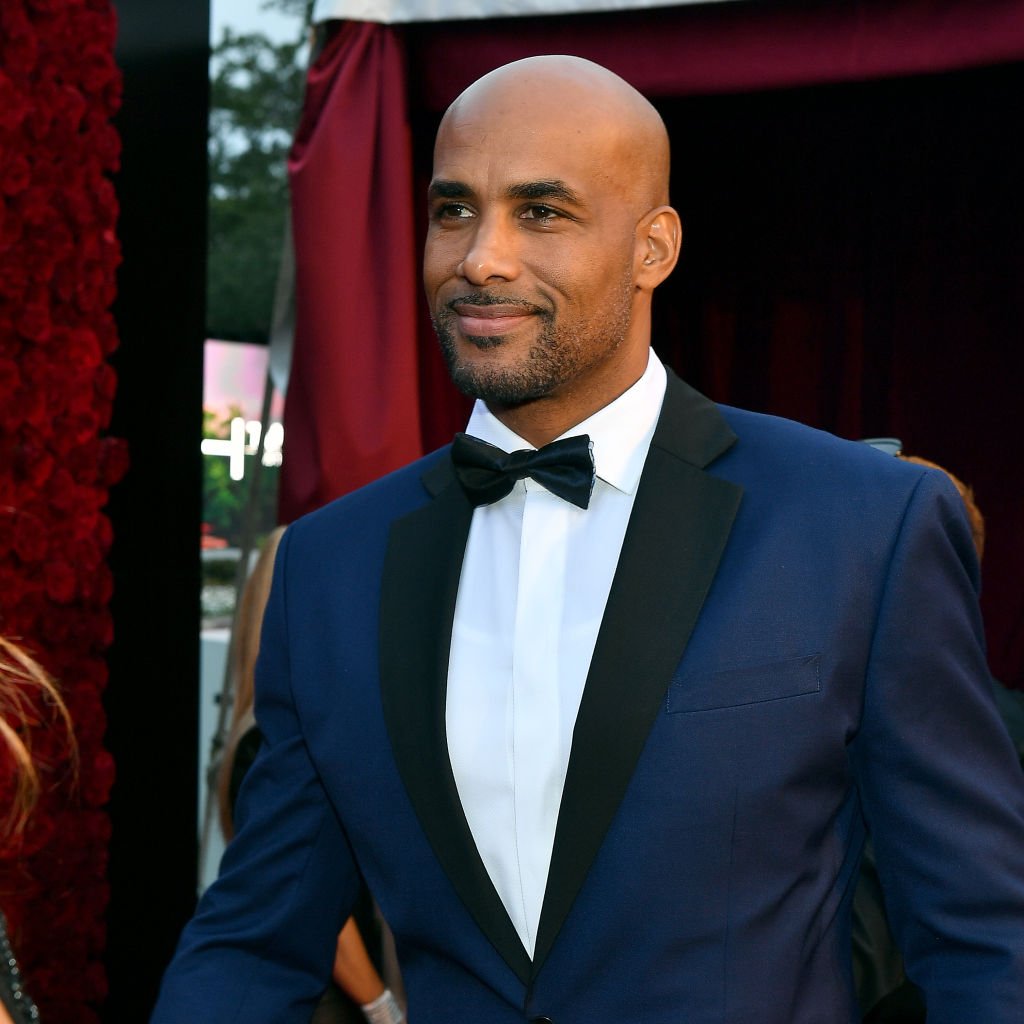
x=848, y=180
x=734, y=46
x=353, y=400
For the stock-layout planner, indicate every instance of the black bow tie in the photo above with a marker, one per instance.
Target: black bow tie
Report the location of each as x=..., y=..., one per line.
x=565, y=468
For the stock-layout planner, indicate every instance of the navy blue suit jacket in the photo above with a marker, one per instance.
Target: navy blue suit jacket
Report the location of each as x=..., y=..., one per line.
x=791, y=652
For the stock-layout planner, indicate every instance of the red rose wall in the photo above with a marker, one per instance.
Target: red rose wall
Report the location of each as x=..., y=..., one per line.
x=59, y=89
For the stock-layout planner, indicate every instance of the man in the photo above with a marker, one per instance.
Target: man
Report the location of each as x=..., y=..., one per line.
x=626, y=731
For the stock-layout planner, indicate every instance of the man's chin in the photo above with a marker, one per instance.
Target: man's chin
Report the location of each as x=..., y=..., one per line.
x=484, y=341
x=498, y=390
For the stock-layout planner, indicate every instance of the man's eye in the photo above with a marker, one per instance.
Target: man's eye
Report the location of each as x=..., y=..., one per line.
x=453, y=211
x=540, y=212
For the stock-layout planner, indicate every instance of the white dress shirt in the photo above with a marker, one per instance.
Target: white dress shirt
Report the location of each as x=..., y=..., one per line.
x=532, y=594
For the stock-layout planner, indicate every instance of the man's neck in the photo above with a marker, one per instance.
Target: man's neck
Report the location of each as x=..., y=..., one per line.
x=543, y=419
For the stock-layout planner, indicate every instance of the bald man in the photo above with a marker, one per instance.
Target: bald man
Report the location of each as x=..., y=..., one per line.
x=601, y=698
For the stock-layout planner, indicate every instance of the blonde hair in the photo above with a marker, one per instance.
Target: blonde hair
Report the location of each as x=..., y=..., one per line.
x=974, y=516
x=245, y=649
x=23, y=683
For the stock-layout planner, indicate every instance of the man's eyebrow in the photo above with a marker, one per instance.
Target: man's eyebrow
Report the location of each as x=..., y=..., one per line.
x=442, y=188
x=544, y=190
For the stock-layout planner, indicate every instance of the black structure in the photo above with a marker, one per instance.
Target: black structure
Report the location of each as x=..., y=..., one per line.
x=153, y=697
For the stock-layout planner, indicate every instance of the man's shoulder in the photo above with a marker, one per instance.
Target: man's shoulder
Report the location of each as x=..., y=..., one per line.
x=778, y=444
x=785, y=461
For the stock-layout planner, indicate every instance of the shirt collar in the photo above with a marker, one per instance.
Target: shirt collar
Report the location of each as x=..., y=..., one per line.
x=621, y=432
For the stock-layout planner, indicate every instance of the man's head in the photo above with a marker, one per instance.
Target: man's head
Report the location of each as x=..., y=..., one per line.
x=549, y=230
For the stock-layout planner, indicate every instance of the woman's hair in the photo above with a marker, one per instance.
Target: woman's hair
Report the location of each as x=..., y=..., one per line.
x=244, y=651
x=974, y=516
x=29, y=700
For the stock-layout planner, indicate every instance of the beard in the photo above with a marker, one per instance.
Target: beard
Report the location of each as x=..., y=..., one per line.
x=559, y=354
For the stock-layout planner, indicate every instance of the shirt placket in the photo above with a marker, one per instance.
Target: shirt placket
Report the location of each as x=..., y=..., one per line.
x=535, y=694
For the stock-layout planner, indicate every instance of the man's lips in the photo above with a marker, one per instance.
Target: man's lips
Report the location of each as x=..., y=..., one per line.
x=491, y=320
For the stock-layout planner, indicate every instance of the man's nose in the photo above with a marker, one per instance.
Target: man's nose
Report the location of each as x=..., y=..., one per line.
x=492, y=254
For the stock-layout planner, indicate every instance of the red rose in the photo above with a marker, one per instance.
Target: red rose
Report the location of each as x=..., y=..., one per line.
x=96, y=787
x=30, y=540
x=33, y=321
x=105, y=198
x=60, y=582
x=114, y=460
x=34, y=463
x=106, y=330
x=83, y=464
x=13, y=279
x=82, y=349
x=98, y=586
x=15, y=174
x=104, y=532
x=104, y=382
x=35, y=204
x=10, y=378
x=79, y=205
x=61, y=492
x=19, y=53
x=87, y=555
x=13, y=105
x=103, y=141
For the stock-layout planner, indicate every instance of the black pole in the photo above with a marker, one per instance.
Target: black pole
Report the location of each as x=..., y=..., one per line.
x=153, y=697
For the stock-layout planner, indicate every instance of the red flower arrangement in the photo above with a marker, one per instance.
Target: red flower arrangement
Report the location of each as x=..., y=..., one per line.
x=59, y=89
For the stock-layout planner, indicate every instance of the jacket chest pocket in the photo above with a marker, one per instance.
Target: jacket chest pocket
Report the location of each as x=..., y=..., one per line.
x=739, y=687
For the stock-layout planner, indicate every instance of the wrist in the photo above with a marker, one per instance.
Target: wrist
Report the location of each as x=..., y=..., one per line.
x=383, y=1010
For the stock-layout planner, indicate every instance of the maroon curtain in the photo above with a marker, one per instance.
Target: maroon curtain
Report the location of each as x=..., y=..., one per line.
x=729, y=47
x=352, y=411
x=853, y=254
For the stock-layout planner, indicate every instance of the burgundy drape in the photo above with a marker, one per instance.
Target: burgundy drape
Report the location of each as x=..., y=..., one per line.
x=852, y=255
x=352, y=410
x=730, y=47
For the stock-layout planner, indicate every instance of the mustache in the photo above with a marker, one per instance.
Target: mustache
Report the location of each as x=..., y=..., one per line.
x=491, y=299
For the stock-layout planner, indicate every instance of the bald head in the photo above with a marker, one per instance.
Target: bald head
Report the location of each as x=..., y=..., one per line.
x=548, y=233
x=575, y=102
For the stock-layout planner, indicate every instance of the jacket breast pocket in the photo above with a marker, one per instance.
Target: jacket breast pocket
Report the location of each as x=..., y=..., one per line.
x=737, y=687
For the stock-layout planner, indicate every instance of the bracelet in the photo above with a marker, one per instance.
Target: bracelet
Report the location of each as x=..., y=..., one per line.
x=384, y=1010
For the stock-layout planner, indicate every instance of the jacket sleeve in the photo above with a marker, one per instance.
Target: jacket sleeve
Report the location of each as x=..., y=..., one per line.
x=942, y=791
x=260, y=946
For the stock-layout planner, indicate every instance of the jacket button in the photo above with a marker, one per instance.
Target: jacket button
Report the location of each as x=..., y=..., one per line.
x=541, y=1020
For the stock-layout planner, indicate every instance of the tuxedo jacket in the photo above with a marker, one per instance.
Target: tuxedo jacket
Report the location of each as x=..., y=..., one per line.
x=791, y=654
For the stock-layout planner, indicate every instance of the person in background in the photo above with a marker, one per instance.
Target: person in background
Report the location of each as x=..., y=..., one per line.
x=1009, y=702
x=885, y=993
x=359, y=992
x=24, y=688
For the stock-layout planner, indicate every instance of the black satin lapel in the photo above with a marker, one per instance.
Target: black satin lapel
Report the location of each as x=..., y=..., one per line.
x=419, y=587
x=677, y=532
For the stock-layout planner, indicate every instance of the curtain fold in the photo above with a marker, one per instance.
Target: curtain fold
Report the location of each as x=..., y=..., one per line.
x=352, y=410
x=734, y=47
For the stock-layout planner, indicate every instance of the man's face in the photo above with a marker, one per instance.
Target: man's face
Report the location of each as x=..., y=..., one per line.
x=528, y=265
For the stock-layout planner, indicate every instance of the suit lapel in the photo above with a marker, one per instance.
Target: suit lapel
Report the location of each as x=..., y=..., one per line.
x=419, y=587
x=677, y=532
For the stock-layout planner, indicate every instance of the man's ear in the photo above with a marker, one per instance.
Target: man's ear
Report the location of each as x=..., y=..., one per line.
x=659, y=236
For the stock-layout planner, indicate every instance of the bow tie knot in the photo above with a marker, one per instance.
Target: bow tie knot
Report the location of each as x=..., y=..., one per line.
x=487, y=473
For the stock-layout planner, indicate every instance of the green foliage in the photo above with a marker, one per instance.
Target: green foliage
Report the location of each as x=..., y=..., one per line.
x=300, y=9
x=224, y=499
x=256, y=89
